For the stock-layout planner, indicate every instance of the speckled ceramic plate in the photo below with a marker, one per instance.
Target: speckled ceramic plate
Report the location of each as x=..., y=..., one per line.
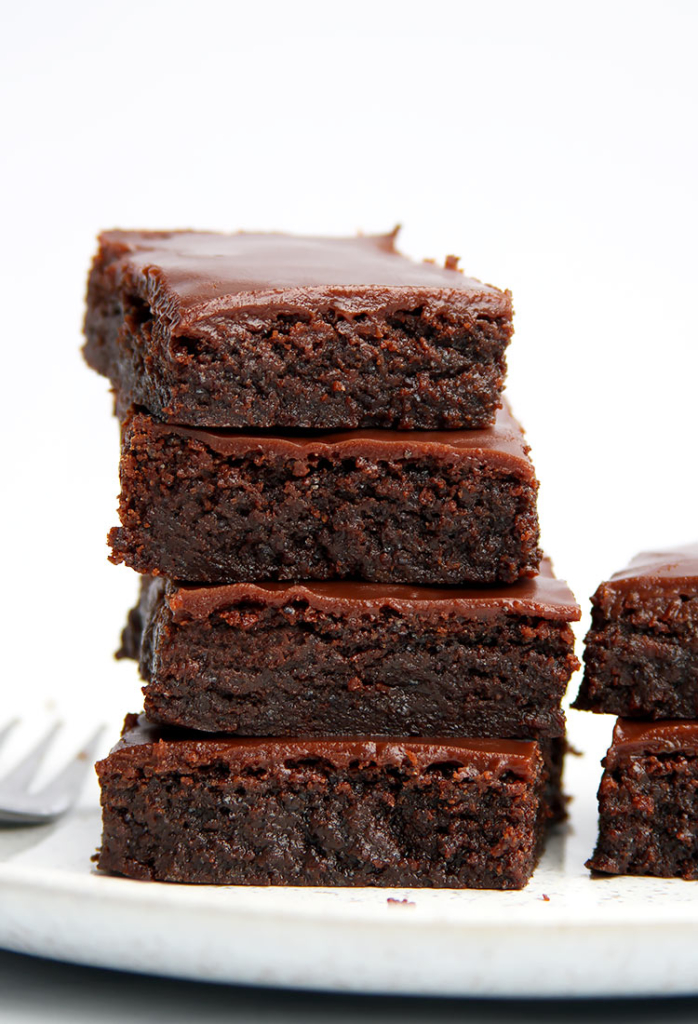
x=564, y=935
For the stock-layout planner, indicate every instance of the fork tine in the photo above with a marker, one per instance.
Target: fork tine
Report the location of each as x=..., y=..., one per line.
x=64, y=789
x=20, y=776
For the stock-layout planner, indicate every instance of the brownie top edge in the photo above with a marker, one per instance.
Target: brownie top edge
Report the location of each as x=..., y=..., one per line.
x=652, y=572
x=170, y=747
x=207, y=272
x=542, y=596
x=504, y=441
x=633, y=736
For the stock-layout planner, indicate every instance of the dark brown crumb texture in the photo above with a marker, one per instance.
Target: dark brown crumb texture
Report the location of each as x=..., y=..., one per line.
x=185, y=816
x=419, y=363
x=641, y=655
x=648, y=809
x=260, y=669
x=191, y=512
x=554, y=752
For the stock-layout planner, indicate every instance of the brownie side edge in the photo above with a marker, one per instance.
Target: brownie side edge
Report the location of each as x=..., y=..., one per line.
x=425, y=356
x=223, y=508
x=647, y=803
x=288, y=668
x=194, y=816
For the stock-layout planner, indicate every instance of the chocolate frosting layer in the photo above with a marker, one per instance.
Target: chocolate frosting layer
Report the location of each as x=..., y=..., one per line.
x=190, y=274
x=657, y=570
x=633, y=736
x=540, y=596
x=503, y=443
x=176, y=749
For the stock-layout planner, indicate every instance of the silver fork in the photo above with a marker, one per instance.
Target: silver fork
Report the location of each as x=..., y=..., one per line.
x=20, y=805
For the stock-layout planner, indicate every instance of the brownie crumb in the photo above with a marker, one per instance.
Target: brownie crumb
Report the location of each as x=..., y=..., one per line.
x=449, y=507
x=359, y=335
x=371, y=811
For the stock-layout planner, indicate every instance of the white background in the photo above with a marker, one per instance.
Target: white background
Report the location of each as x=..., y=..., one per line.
x=551, y=146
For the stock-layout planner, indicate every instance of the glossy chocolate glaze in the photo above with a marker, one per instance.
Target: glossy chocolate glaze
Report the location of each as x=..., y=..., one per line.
x=175, y=748
x=503, y=443
x=540, y=596
x=652, y=571
x=633, y=736
x=190, y=274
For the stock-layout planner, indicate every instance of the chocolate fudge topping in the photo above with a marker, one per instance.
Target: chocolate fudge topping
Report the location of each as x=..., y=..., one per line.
x=631, y=736
x=655, y=570
x=504, y=443
x=190, y=274
x=519, y=757
x=276, y=332
x=542, y=596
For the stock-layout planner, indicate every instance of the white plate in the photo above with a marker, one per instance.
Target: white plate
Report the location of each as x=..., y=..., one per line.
x=564, y=935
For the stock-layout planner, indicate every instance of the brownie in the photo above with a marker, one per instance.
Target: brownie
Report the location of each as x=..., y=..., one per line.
x=457, y=813
x=344, y=658
x=641, y=656
x=250, y=330
x=553, y=752
x=434, y=507
x=648, y=801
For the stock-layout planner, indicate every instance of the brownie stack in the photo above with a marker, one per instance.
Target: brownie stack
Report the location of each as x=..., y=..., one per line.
x=353, y=656
x=641, y=663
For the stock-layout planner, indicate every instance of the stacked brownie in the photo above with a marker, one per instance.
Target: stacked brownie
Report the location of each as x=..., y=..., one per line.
x=353, y=655
x=641, y=663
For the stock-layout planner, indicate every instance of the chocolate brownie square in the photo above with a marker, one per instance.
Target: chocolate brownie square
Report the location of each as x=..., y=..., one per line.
x=250, y=330
x=456, y=813
x=441, y=507
x=641, y=656
x=332, y=659
x=648, y=801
